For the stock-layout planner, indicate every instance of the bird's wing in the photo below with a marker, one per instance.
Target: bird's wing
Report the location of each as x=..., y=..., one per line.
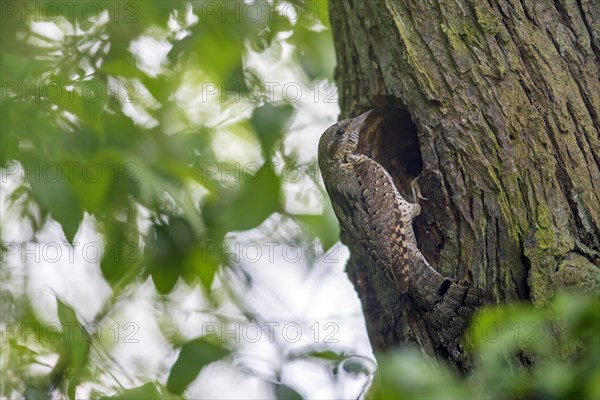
x=387, y=228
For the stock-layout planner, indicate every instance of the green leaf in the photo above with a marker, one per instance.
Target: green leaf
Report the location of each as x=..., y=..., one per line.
x=123, y=67
x=194, y=355
x=329, y=355
x=76, y=346
x=203, y=261
x=218, y=53
x=325, y=227
x=247, y=208
x=173, y=249
x=34, y=393
x=407, y=374
x=317, y=10
x=269, y=122
x=164, y=261
x=57, y=197
x=121, y=255
x=92, y=184
x=284, y=392
x=358, y=366
x=579, y=312
x=496, y=331
x=315, y=52
x=265, y=38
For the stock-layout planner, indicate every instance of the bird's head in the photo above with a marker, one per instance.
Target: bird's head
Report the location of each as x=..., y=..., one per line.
x=341, y=139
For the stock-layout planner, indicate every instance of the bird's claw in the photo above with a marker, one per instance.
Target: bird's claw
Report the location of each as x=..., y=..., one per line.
x=416, y=191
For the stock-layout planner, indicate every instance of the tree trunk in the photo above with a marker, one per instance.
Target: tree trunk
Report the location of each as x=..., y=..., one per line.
x=495, y=106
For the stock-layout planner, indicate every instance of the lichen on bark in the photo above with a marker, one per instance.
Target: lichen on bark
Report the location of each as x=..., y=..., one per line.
x=502, y=102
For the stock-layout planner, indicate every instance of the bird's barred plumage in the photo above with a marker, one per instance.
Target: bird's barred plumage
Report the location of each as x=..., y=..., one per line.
x=391, y=214
x=370, y=209
x=376, y=224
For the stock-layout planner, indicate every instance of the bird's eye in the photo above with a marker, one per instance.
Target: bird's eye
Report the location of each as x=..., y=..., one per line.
x=339, y=132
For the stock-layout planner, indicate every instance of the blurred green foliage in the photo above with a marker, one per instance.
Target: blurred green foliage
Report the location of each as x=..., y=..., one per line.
x=520, y=352
x=194, y=355
x=98, y=128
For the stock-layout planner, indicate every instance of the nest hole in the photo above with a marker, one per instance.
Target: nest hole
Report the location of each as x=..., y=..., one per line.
x=391, y=138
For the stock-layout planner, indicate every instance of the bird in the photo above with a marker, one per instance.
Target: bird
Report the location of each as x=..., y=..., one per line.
x=371, y=211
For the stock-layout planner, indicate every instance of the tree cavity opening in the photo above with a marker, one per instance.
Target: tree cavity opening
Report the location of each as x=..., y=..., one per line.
x=390, y=137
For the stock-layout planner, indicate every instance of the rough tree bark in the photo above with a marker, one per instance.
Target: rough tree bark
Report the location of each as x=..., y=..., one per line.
x=495, y=105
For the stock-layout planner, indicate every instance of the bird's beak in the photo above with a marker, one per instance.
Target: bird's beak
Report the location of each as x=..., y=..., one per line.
x=357, y=123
